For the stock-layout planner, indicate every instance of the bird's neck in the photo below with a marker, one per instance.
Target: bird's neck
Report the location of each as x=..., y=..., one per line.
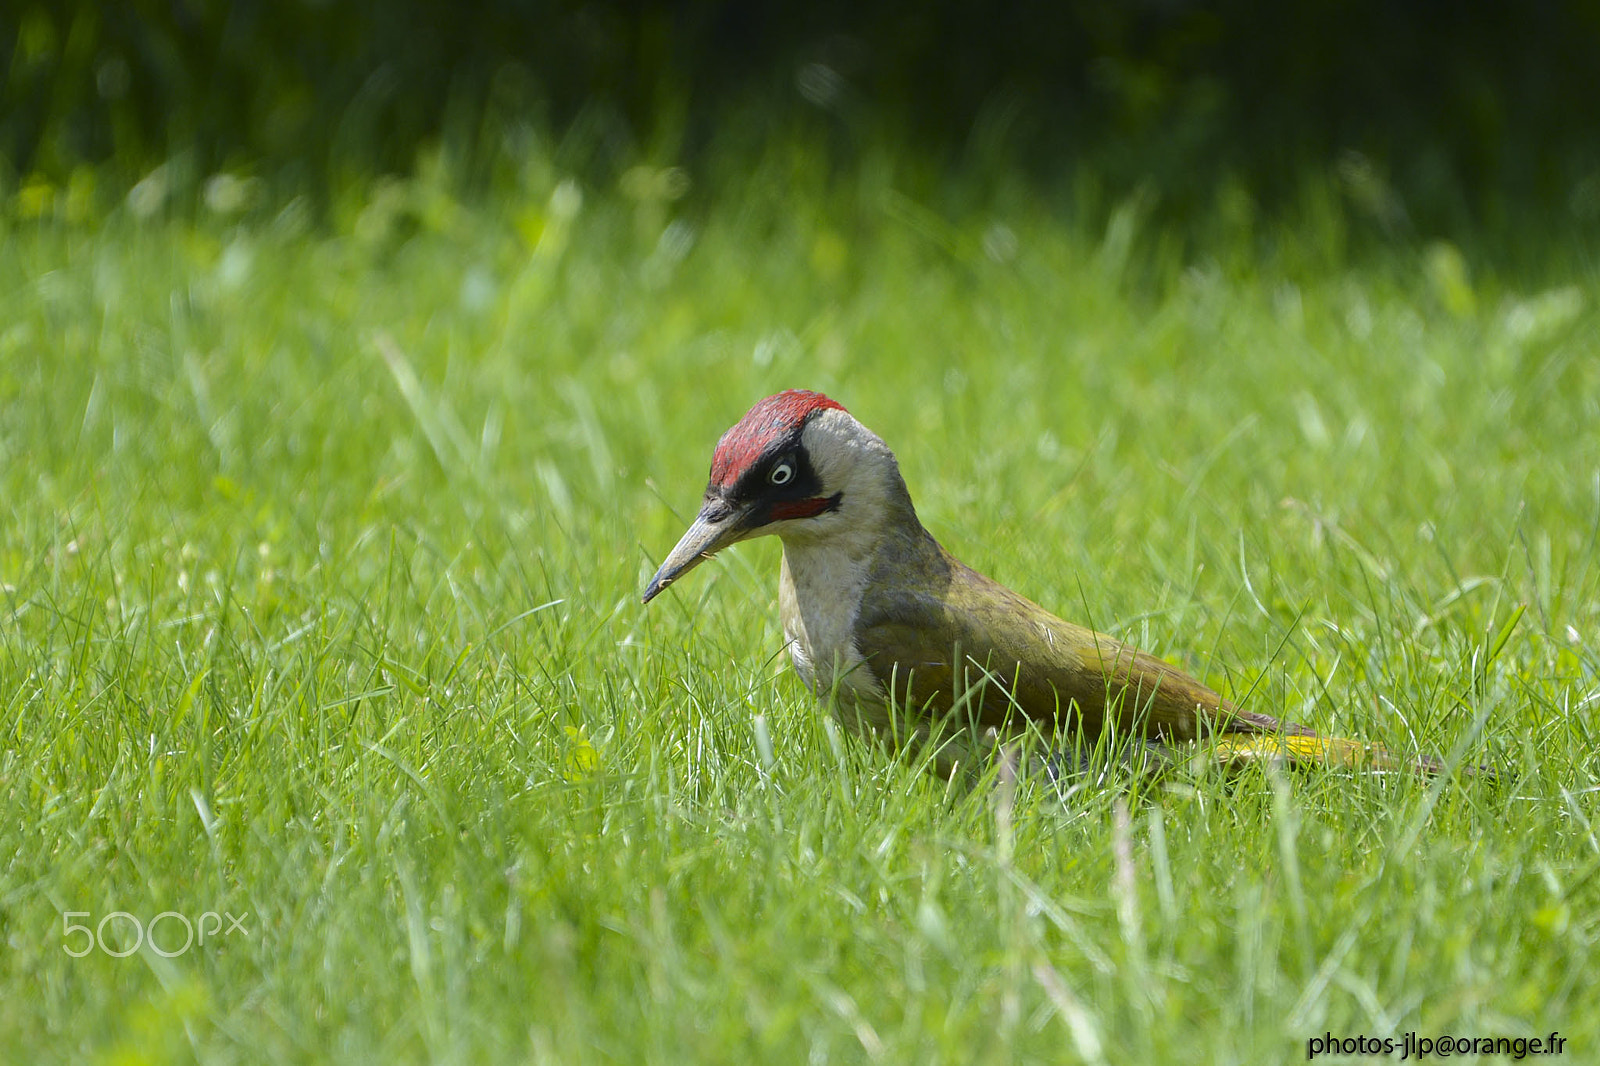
x=877, y=516
x=825, y=576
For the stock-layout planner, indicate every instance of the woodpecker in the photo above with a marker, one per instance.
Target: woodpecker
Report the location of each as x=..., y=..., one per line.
x=914, y=646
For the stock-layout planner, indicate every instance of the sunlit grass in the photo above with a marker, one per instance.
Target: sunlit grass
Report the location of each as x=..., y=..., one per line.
x=320, y=559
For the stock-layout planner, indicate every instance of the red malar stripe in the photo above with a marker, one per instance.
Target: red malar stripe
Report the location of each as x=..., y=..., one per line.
x=782, y=512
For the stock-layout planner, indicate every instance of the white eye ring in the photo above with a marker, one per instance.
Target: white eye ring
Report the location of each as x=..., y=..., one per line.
x=781, y=474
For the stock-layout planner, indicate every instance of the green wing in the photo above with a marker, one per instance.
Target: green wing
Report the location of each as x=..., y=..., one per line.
x=954, y=640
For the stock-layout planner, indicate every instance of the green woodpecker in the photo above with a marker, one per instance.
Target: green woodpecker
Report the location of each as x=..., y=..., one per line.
x=914, y=645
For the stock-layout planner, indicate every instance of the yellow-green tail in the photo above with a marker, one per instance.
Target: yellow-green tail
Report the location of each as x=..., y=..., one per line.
x=1241, y=749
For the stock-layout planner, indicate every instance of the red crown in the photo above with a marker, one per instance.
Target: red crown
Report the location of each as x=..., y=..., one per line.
x=770, y=420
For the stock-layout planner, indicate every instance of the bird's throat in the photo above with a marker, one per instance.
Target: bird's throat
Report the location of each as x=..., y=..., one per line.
x=819, y=598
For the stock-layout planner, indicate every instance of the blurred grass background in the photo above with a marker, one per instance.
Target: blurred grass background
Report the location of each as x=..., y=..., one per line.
x=1438, y=120
x=357, y=362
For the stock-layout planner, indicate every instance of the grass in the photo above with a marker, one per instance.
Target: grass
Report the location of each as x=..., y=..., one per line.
x=321, y=553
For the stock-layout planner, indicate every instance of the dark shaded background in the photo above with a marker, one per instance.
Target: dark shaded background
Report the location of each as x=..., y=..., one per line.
x=1480, y=116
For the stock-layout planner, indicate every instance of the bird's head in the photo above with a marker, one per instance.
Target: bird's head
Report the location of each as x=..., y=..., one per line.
x=797, y=465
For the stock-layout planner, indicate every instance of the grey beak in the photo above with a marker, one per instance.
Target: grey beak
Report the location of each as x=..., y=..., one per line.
x=717, y=526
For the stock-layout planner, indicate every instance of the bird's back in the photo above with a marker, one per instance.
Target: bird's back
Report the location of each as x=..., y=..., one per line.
x=946, y=637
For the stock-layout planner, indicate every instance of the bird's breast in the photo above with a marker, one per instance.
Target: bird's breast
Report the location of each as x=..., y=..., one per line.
x=819, y=599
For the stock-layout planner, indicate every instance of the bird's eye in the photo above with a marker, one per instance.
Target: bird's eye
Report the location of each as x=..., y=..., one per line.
x=781, y=474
